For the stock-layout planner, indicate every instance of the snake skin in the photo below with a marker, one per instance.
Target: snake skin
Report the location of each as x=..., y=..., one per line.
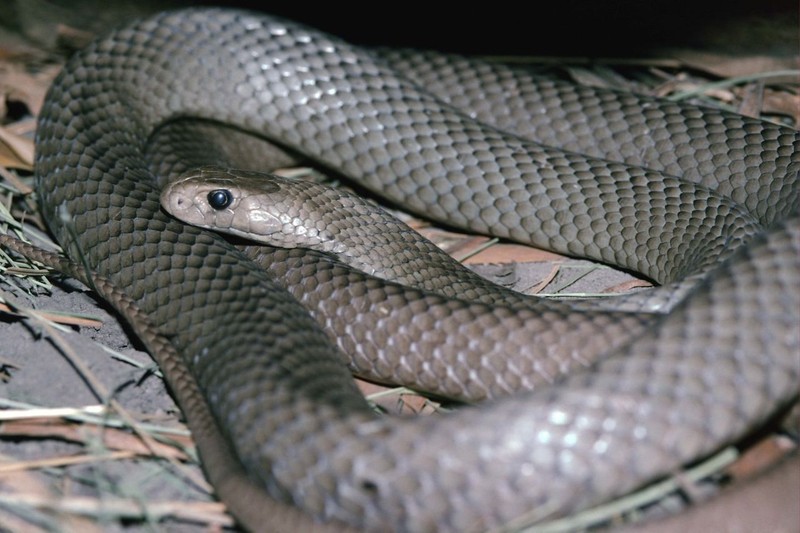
x=289, y=213
x=283, y=402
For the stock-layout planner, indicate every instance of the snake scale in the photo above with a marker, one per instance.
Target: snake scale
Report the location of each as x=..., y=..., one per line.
x=665, y=189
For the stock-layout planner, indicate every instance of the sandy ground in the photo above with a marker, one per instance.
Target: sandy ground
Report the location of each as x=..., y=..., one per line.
x=39, y=374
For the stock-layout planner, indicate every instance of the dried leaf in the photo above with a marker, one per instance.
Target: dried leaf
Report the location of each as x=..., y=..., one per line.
x=782, y=103
x=113, y=439
x=627, y=286
x=511, y=253
x=17, y=84
x=15, y=151
x=760, y=456
x=539, y=287
x=731, y=66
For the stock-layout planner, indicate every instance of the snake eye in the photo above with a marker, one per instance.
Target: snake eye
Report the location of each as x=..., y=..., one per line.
x=220, y=199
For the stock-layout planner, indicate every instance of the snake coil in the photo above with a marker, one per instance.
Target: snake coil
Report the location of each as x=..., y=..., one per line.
x=665, y=189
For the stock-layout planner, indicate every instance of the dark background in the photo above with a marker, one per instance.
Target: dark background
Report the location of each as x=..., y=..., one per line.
x=561, y=28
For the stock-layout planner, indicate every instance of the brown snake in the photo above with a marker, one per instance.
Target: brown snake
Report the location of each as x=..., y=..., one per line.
x=690, y=186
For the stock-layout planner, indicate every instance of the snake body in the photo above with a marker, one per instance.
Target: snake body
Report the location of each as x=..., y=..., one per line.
x=281, y=400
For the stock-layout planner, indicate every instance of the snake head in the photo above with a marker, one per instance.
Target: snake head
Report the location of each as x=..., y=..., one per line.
x=224, y=200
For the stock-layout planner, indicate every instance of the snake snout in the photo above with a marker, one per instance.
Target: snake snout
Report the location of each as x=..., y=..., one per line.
x=173, y=201
x=180, y=203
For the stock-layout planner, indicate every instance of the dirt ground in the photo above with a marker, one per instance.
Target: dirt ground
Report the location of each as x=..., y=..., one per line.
x=68, y=462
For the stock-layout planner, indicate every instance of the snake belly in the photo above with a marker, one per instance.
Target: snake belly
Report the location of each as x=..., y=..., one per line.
x=700, y=377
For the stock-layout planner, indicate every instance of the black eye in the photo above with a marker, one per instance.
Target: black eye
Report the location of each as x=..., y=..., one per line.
x=220, y=198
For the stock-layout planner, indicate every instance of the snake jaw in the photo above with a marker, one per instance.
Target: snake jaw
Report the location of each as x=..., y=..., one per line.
x=254, y=219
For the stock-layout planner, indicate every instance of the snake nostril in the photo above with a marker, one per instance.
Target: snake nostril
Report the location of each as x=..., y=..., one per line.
x=369, y=486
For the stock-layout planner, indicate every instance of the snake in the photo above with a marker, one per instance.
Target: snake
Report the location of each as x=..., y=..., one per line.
x=244, y=333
